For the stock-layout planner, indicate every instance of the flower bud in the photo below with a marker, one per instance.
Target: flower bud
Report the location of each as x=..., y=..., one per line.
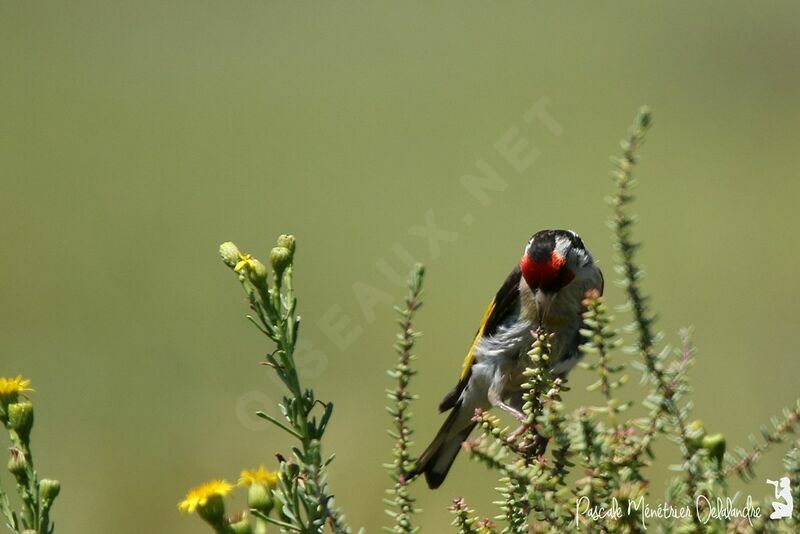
x=260, y=498
x=18, y=464
x=715, y=445
x=229, y=253
x=49, y=489
x=280, y=258
x=286, y=241
x=20, y=419
x=257, y=273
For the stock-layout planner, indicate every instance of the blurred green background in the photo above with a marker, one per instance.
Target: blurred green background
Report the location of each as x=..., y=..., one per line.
x=135, y=137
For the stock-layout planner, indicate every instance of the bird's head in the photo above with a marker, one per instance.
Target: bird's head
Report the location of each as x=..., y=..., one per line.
x=552, y=259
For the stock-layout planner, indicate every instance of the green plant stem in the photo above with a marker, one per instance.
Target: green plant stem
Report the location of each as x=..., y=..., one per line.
x=276, y=522
x=27, y=484
x=309, y=505
x=626, y=248
x=402, y=465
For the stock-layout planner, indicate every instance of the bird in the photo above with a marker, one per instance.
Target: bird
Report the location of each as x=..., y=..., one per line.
x=545, y=290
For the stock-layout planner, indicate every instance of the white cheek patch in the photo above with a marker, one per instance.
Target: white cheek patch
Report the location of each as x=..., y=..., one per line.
x=576, y=258
x=563, y=246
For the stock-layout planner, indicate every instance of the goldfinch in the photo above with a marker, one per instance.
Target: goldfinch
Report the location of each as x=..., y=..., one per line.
x=544, y=290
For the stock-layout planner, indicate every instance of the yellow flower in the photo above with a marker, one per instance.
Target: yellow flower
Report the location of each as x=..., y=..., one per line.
x=259, y=476
x=246, y=261
x=10, y=388
x=199, y=496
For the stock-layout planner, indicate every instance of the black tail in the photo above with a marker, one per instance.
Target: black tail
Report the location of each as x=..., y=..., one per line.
x=435, y=462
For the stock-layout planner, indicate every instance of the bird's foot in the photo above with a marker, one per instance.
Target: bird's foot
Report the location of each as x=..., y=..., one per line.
x=520, y=430
x=516, y=414
x=532, y=445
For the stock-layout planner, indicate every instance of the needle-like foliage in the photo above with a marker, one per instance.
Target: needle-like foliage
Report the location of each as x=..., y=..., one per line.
x=401, y=502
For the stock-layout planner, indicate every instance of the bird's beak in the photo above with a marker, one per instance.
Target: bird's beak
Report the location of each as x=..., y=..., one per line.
x=543, y=303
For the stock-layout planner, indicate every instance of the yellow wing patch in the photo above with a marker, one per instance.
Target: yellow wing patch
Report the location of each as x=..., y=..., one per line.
x=467, y=365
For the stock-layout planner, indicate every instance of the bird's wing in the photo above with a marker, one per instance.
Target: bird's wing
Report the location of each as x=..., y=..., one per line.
x=502, y=305
x=601, y=281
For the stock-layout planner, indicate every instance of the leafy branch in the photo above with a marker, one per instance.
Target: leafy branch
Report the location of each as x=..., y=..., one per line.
x=306, y=500
x=402, y=465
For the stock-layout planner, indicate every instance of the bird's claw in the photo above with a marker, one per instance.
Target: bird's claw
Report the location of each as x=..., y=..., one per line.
x=514, y=436
x=531, y=446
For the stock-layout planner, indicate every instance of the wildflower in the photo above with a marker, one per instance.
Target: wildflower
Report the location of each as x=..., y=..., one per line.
x=258, y=476
x=200, y=496
x=10, y=388
x=259, y=481
x=244, y=264
x=246, y=261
